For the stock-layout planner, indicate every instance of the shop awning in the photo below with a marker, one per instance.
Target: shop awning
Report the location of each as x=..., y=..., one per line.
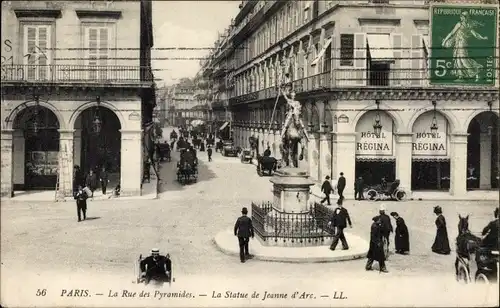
x=327, y=43
x=427, y=47
x=224, y=125
x=380, y=47
x=373, y=158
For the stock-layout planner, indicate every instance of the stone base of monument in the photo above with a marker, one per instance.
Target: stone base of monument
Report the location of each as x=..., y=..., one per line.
x=289, y=229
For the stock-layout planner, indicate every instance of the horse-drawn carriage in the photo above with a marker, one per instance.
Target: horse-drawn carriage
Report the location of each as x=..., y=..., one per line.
x=476, y=260
x=266, y=165
x=187, y=167
x=246, y=156
x=481, y=266
x=164, y=151
x=157, y=274
x=390, y=191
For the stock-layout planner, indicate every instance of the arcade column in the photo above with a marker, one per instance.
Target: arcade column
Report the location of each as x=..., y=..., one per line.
x=131, y=162
x=7, y=160
x=345, y=144
x=325, y=156
x=65, y=163
x=458, y=164
x=485, y=161
x=77, y=147
x=314, y=155
x=404, y=160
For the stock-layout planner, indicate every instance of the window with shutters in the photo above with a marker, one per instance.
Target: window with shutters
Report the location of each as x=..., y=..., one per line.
x=36, y=53
x=347, y=50
x=97, y=45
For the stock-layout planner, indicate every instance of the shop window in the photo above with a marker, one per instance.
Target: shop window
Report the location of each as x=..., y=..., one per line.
x=374, y=172
x=430, y=175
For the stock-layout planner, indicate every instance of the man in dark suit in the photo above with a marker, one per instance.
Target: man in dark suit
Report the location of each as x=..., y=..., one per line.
x=156, y=267
x=490, y=233
x=359, y=186
x=340, y=187
x=243, y=229
x=327, y=189
x=386, y=228
x=339, y=221
x=81, y=203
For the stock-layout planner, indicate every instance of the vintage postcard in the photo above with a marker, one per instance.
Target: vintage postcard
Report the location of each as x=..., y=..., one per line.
x=256, y=153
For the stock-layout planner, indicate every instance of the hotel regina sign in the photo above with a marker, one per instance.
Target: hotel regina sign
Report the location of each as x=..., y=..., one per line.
x=463, y=45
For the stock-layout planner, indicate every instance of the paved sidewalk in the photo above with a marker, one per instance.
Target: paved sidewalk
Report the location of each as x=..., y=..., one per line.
x=149, y=192
x=483, y=195
x=358, y=248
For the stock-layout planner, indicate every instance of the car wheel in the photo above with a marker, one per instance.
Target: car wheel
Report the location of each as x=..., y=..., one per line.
x=482, y=278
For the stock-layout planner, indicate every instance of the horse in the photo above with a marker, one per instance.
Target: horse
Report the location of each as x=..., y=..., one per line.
x=290, y=143
x=466, y=243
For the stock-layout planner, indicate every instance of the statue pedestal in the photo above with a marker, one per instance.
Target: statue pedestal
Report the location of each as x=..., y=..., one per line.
x=290, y=222
x=291, y=190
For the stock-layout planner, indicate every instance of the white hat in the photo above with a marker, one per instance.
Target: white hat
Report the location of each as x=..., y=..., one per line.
x=155, y=250
x=382, y=207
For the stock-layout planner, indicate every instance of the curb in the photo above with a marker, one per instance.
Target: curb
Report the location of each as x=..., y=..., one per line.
x=283, y=258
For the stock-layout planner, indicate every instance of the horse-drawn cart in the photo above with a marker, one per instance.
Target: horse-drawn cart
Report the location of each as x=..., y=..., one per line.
x=266, y=165
x=187, y=167
x=246, y=156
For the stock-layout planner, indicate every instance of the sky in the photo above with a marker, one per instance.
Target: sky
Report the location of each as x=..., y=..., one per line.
x=188, y=24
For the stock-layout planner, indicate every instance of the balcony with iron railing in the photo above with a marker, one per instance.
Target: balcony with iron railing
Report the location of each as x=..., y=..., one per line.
x=75, y=74
x=361, y=78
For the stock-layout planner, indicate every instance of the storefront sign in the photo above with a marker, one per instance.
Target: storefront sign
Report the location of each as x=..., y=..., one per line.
x=427, y=143
x=367, y=142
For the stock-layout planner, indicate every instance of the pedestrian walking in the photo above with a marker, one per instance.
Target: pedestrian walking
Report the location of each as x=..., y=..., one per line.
x=103, y=176
x=401, y=237
x=327, y=189
x=340, y=187
x=376, y=250
x=359, y=187
x=339, y=221
x=81, y=203
x=209, y=153
x=91, y=182
x=441, y=243
x=243, y=229
x=386, y=229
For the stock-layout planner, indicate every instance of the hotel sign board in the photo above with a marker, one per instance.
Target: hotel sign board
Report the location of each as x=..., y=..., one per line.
x=427, y=143
x=368, y=143
x=464, y=44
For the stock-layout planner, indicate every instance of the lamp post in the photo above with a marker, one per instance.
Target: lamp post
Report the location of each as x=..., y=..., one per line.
x=492, y=118
x=377, y=125
x=34, y=120
x=97, y=121
x=434, y=125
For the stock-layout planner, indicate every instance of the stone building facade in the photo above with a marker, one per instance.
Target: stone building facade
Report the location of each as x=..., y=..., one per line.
x=364, y=74
x=77, y=89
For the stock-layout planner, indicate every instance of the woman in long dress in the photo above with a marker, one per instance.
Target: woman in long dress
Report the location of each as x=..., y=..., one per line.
x=402, y=236
x=464, y=67
x=441, y=243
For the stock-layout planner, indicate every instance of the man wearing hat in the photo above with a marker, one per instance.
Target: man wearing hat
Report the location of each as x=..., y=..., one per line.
x=386, y=226
x=327, y=189
x=341, y=183
x=243, y=229
x=156, y=267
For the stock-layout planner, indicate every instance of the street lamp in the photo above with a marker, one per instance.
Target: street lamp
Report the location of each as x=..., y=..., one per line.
x=377, y=125
x=434, y=125
x=97, y=121
x=34, y=119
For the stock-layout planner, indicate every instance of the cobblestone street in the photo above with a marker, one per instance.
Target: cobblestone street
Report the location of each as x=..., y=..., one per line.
x=184, y=220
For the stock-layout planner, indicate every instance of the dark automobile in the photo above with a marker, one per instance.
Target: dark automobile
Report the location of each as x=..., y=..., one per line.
x=228, y=149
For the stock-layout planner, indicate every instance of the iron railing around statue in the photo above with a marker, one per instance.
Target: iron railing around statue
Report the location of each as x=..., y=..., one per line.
x=272, y=224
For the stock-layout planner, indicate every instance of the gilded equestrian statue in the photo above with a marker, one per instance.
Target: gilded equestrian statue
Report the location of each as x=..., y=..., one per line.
x=292, y=132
